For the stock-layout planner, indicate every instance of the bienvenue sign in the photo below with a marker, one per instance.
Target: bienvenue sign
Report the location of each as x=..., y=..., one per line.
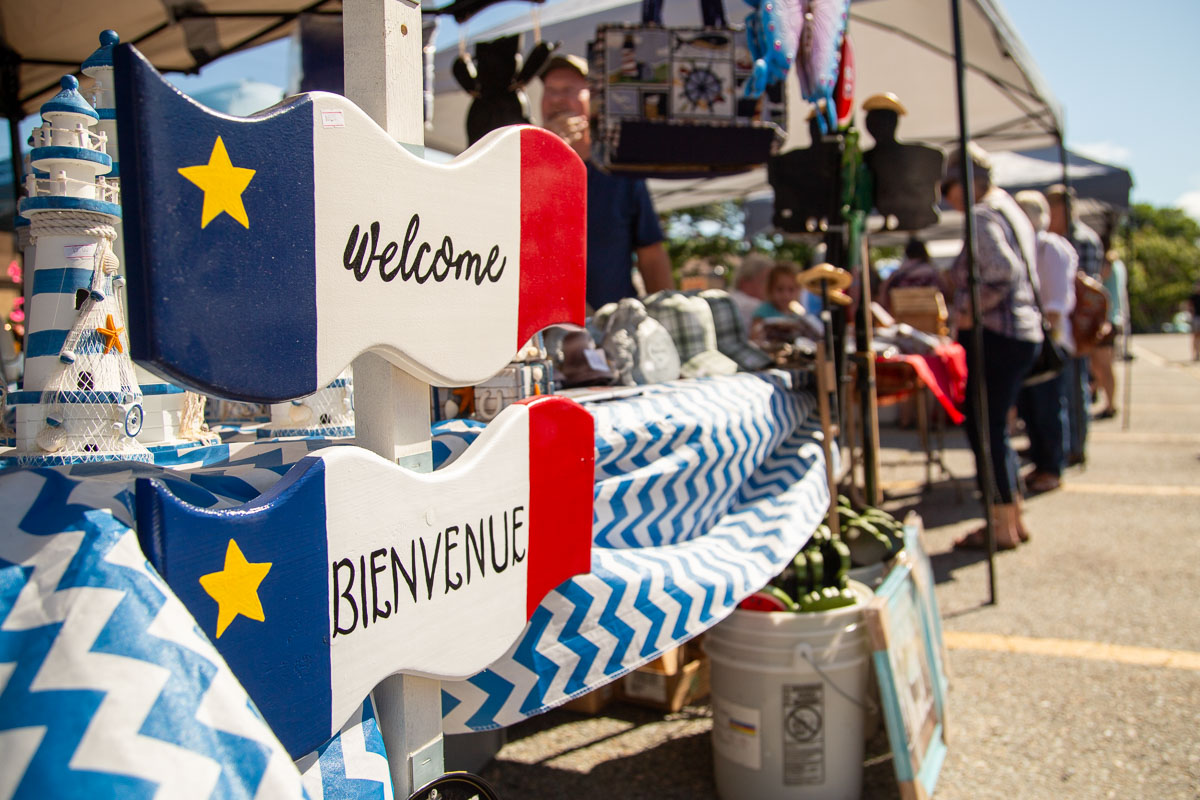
x=352, y=569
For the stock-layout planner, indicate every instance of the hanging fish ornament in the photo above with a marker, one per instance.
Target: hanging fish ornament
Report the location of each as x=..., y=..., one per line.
x=820, y=47
x=773, y=34
x=843, y=92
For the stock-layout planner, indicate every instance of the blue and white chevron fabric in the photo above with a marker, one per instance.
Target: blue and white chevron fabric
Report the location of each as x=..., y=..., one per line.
x=705, y=490
x=107, y=686
x=352, y=765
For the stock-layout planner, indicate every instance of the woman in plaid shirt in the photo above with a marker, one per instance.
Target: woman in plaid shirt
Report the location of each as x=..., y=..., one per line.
x=1005, y=248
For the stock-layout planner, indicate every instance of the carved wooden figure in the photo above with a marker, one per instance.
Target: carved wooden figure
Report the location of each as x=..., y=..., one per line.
x=332, y=240
x=806, y=183
x=905, y=175
x=352, y=569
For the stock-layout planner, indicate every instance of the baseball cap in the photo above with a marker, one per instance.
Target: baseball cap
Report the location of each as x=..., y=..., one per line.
x=731, y=333
x=690, y=322
x=574, y=62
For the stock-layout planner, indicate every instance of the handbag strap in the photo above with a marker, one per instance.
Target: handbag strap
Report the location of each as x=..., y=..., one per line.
x=1033, y=284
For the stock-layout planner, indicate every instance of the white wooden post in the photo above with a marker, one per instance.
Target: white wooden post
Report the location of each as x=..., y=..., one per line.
x=382, y=40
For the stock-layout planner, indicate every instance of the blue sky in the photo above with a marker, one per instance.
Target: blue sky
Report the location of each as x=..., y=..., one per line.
x=1127, y=74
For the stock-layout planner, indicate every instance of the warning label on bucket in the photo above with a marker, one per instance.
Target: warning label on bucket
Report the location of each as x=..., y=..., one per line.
x=735, y=732
x=803, y=734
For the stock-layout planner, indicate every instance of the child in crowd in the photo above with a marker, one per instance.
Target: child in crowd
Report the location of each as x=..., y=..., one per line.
x=783, y=290
x=783, y=293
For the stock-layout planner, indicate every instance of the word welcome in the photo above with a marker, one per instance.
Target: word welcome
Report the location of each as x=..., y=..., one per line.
x=466, y=265
x=368, y=589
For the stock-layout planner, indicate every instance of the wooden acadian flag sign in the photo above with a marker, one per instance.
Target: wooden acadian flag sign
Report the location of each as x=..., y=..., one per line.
x=352, y=569
x=264, y=255
x=331, y=239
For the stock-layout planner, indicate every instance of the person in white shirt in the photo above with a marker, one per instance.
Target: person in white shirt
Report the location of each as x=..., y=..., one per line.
x=1043, y=406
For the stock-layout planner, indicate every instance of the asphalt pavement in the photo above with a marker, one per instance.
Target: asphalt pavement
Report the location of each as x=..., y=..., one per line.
x=1081, y=681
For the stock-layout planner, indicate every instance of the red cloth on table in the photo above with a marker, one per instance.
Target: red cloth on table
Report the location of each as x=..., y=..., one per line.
x=944, y=371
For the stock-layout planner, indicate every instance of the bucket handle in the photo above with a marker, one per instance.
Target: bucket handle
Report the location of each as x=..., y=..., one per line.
x=804, y=651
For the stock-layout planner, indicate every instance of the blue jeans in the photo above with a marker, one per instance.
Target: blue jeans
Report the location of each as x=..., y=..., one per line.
x=1044, y=409
x=1076, y=375
x=1006, y=362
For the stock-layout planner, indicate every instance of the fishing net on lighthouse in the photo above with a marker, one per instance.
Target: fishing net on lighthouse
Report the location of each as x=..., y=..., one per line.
x=93, y=403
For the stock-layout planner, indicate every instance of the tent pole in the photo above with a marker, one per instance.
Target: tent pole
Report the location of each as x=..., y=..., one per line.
x=987, y=479
x=10, y=82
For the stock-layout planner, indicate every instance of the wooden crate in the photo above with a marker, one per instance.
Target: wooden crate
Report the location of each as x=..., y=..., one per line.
x=594, y=701
x=646, y=687
x=922, y=307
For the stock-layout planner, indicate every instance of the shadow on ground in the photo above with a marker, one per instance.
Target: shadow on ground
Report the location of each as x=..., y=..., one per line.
x=680, y=768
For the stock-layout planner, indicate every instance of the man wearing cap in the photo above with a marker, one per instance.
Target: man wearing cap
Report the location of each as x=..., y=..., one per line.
x=621, y=218
x=1085, y=240
x=1087, y=245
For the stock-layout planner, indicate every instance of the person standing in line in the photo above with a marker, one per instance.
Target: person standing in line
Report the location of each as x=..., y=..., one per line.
x=621, y=220
x=1090, y=251
x=915, y=270
x=750, y=285
x=1113, y=278
x=1194, y=302
x=1043, y=406
x=1012, y=329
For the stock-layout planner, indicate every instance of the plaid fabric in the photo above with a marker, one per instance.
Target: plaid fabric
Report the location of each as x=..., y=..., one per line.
x=690, y=322
x=731, y=334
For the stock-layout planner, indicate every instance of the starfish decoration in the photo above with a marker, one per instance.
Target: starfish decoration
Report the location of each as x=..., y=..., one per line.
x=112, y=335
x=222, y=183
x=235, y=588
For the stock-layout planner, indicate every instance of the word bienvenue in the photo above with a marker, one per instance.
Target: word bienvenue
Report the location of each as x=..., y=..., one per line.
x=370, y=588
x=448, y=261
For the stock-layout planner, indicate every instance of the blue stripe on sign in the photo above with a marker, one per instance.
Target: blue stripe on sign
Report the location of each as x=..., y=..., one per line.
x=194, y=290
x=61, y=280
x=45, y=343
x=283, y=660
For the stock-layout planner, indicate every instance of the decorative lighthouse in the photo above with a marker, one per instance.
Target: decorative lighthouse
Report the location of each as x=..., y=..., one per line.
x=172, y=417
x=80, y=400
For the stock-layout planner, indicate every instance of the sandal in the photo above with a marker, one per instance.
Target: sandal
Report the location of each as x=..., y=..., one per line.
x=977, y=540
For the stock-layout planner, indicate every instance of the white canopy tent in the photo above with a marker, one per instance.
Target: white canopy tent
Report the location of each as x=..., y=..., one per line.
x=901, y=46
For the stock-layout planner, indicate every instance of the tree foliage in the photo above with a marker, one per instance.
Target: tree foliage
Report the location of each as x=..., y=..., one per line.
x=716, y=233
x=1161, y=250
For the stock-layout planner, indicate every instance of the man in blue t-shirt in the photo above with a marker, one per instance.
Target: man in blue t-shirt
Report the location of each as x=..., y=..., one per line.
x=621, y=218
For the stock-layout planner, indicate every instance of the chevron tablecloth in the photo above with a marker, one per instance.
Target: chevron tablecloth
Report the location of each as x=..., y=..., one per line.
x=704, y=490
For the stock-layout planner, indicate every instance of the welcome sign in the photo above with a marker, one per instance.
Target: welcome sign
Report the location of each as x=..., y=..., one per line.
x=352, y=569
x=308, y=236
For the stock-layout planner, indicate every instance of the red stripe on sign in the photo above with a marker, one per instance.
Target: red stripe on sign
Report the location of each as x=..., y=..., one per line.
x=553, y=234
x=562, y=465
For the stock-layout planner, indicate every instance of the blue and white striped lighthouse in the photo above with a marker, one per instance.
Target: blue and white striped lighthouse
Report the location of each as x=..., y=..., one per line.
x=80, y=401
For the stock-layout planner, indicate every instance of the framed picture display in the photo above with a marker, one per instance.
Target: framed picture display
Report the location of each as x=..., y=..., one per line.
x=909, y=658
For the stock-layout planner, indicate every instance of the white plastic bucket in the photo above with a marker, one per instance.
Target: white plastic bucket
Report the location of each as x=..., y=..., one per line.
x=788, y=691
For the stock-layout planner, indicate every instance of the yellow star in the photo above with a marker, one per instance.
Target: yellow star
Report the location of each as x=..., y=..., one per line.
x=235, y=588
x=223, y=184
x=112, y=335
